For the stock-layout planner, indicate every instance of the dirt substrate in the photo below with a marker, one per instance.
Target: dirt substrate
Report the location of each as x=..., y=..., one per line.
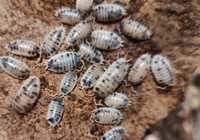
x=175, y=24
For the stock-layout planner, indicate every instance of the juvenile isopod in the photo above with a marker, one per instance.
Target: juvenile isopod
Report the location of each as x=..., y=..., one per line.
x=27, y=95
x=90, y=54
x=109, y=12
x=24, y=48
x=162, y=71
x=55, y=111
x=116, y=100
x=140, y=69
x=107, y=115
x=68, y=16
x=135, y=30
x=68, y=83
x=84, y=5
x=106, y=40
x=116, y=133
x=90, y=77
x=63, y=62
x=52, y=41
x=79, y=32
x=111, y=78
x=14, y=67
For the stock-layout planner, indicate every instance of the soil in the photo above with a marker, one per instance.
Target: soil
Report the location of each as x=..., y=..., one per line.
x=175, y=24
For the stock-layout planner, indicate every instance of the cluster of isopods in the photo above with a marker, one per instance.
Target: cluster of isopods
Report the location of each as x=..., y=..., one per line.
x=90, y=42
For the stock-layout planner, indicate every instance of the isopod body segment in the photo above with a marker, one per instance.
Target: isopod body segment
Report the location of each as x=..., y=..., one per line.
x=116, y=133
x=55, y=111
x=68, y=83
x=90, y=77
x=27, y=95
x=63, y=62
x=84, y=5
x=68, y=16
x=111, y=78
x=106, y=40
x=14, y=67
x=24, y=48
x=107, y=115
x=162, y=71
x=140, y=69
x=109, y=12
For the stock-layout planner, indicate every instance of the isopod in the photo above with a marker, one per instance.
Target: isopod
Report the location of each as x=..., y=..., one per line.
x=140, y=69
x=111, y=78
x=162, y=71
x=116, y=133
x=106, y=40
x=90, y=77
x=24, y=48
x=135, y=30
x=116, y=100
x=90, y=54
x=52, y=41
x=63, y=62
x=68, y=83
x=68, y=16
x=14, y=67
x=84, y=5
x=55, y=111
x=79, y=32
x=27, y=95
x=109, y=12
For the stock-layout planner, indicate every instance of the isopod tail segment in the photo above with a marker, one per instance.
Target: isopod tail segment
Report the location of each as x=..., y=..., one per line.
x=126, y=8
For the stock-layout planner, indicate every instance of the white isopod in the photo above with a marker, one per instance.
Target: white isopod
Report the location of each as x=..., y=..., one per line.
x=135, y=30
x=111, y=78
x=109, y=12
x=68, y=83
x=52, y=41
x=27, y=95
x=140, y=69
x=162, y=71
x=116, y=133
x=68, y=16
x=116, y=100
x=90, y=77
x=63, y=62
x=79, y=32
x=14, y=67
x=106, y=40
x=90, y=54
x=24, y=48
x=84, y=5
x=55, y=111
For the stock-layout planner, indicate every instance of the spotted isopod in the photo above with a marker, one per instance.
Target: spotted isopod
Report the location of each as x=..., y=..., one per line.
x=109, y=12
x=135, y=30
x=14, y=67
x=111, y=78
x=116, y=100
x=63, y=62
x=24, y=48
x=84, y=5
x=55, y=111
x=116, y=133
x=90, y=77
x=90, y=54
x=140, y=69
x=68, y=16
x=68, y=83
x=107, y=115
x=162, y=71
x=79, y=32
x=106, y=40
x=27, y=95
x=52, y=41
